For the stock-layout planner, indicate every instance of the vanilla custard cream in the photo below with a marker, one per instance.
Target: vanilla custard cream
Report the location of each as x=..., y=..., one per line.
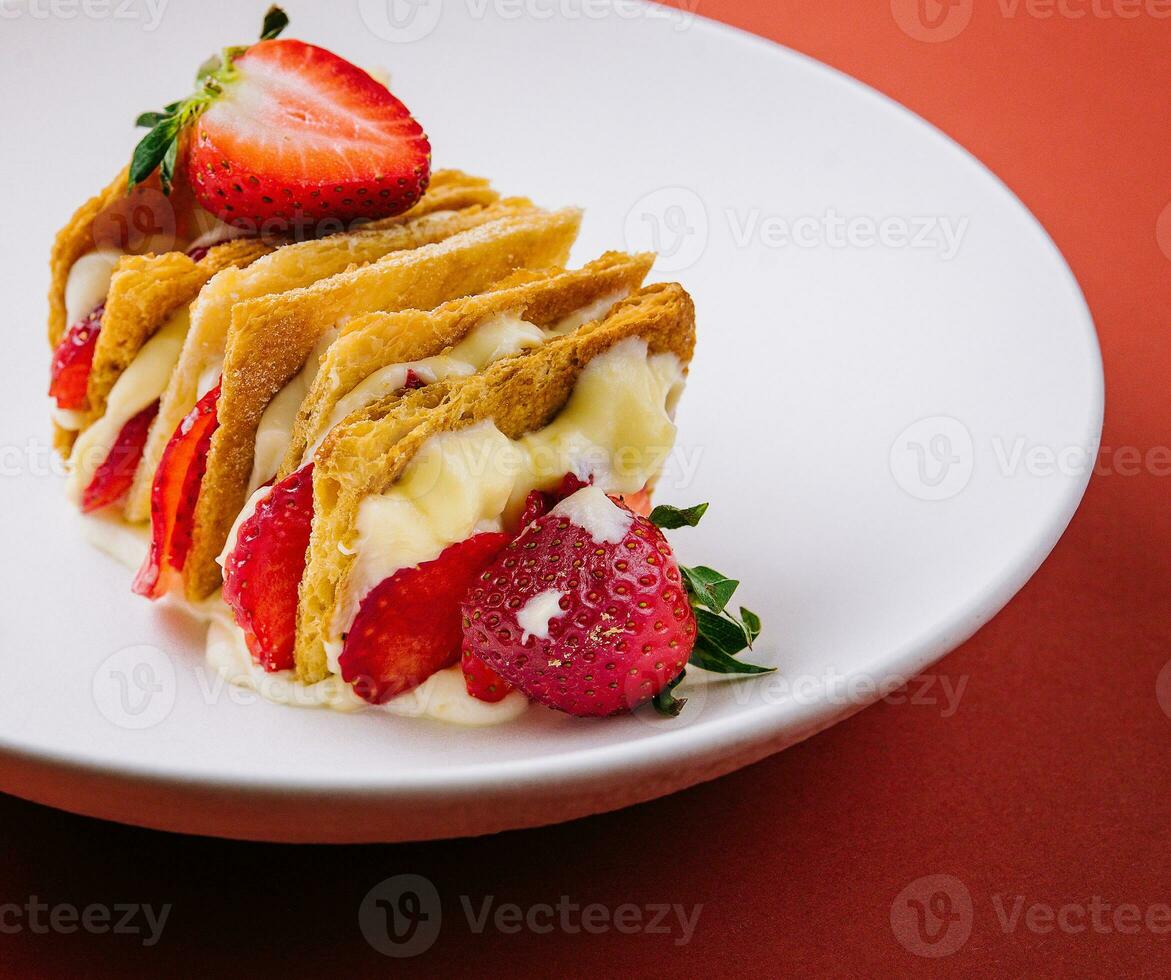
x=275, y=431
x=88, y=282
x=616, y=428
x=443, y=696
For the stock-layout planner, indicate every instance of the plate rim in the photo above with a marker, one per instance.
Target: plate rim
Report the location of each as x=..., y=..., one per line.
x=759, y=727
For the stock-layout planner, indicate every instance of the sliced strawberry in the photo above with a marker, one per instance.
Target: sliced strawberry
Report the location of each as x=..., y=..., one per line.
x=72, y=360
x=482, y=682
x=413, y=381
x=173, y=497
x=264, y=569
x=409, y=626
x=115, y=474
x=299, y=135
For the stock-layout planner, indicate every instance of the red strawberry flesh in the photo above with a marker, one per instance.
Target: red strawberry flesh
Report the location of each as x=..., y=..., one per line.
x=263, y=571
x=113, y=477
x=408, y=627
x=481, y=681
x=173, y=497
x=301, y=135
x=72, y=361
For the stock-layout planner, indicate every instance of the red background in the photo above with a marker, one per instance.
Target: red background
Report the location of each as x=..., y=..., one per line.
x=1050, y=781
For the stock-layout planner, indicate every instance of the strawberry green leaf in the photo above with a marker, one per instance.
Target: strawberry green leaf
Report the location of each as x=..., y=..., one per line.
x=167, y=167
x=669, y=518
x=209, y=68
x=708, y=587
x=150, y=119
x=710, y=658
x=665, y=701
x=151, y=150
x=275, y=21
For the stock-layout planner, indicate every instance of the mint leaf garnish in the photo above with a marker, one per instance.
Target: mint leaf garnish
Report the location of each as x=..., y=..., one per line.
x=708, y=587
x=669, y=518
x=720, y=634
x=725, y=633
x=751, y=623
x=709, y=658
x=665, y=701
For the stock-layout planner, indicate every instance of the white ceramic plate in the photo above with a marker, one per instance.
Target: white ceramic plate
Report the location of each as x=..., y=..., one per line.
x=891, y=352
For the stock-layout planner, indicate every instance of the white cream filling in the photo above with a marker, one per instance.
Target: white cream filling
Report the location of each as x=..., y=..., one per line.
x=88, y=282
x=616, y=427
x=594, y=512
x=142, y=383
x=86, y=286
x=246, y=512
x=67, y=418
x=275, y=431
x=209, y=377
x=500, y=336
x=461, y=484
x=211, y=230
x=442, y=697
x=535, y=615
x=594, y=311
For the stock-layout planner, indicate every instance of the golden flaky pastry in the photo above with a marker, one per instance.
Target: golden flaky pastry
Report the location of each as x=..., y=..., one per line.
x=452, y=204
x=367, y=453
x=144, y=291
x=271, y=337
x=378, y=340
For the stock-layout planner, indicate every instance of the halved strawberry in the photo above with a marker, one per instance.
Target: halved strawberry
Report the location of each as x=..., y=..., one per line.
x=409, y=626
x=115, y=474
x=264, y=569
x=284, y=134
x=173, y=496
x=72, y=360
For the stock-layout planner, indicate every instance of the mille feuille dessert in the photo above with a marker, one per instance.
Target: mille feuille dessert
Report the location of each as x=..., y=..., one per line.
x=363, y=419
